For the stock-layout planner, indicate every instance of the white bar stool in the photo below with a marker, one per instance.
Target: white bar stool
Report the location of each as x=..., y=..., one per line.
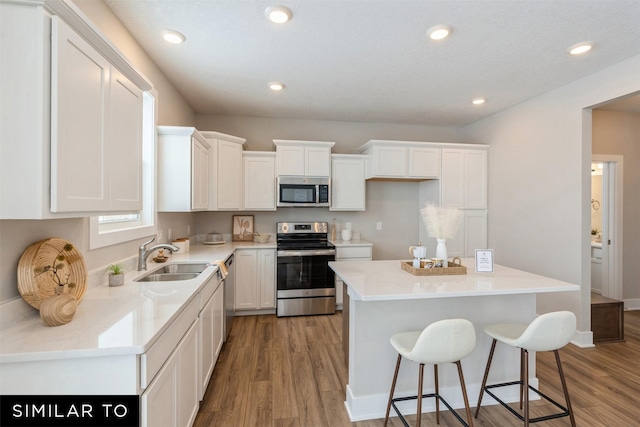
x=445, y=341
x=548, y=332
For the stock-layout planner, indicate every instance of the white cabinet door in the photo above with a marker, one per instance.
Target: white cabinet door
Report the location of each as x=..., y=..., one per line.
x=348, y=185
x=464, y=178
x=424, y=162
x=389, y=161
x=317, y=161
x=206, y=346
x=199, y=175
x=187, y=376
x=255, y=279
x=125, y=143
x=475, y=231
x=267, y=277
x=229, y=175
x=246, y=280
x=259, y=181
x=290, y=160
x=79, y=105
x=218, y=321
x=158, y=402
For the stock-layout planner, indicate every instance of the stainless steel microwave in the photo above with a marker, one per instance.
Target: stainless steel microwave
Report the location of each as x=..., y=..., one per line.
x=301, y=191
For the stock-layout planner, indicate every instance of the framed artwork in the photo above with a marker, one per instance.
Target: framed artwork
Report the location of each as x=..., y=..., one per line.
x=242, y=228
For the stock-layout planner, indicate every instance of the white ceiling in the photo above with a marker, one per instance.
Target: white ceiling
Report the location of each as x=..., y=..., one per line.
x=361, y=60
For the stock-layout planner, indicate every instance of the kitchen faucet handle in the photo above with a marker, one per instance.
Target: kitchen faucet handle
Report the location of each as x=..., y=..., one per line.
x=144, y=245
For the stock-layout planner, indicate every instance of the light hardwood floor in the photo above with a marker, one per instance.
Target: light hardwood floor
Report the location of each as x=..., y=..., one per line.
x=290, y=371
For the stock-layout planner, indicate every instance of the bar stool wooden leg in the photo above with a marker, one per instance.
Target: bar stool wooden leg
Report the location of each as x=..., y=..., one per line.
x=393, y=387
x=420, y=380
x=522, y=389
x=526, y=388
x=437, y=388
x=486, y=375
x=564, y=388
x=464, y=394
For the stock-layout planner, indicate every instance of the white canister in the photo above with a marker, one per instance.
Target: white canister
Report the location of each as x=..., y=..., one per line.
x=346, y=235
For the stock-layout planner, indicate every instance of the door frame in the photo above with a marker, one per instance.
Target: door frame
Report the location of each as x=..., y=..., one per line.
x=612, y=252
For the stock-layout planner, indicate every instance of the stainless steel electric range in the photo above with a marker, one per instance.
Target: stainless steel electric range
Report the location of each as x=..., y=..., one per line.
x=305, y=283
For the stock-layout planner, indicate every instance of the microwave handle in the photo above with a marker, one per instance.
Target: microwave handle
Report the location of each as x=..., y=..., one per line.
x=317, y=193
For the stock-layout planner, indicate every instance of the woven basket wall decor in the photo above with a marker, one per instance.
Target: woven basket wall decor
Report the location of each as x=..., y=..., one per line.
x=35, y=285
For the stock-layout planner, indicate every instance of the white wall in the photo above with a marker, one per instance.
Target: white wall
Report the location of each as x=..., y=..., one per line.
x=539, y=181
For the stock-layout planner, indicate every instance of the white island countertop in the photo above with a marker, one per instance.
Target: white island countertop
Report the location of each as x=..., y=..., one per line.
x=385, y=281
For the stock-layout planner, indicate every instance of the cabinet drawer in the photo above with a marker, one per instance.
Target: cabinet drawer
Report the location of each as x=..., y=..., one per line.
x=152, y=360
x=353, y=252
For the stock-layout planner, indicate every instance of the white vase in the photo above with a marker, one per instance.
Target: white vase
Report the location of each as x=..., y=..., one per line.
x=441, y=252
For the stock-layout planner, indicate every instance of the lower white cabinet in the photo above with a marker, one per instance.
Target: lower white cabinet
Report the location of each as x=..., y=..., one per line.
x=211, y=337
x=171, y=400
x=255, y=279
x=353, y=252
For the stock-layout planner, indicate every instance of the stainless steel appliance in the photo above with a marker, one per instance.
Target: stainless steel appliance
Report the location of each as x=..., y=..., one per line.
x=229, y=294
x=305, y=283
x=304, y=191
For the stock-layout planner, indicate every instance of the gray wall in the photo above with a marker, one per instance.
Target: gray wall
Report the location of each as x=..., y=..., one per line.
x=619, y=133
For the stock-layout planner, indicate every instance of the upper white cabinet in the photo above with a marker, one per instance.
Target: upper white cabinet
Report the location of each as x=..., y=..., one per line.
x=259, y=180
x=348, y=185
x=225, y=189
x=303, y=158
x=464, y=178
x=75, y=136
x=401, y=160
x=183, y=169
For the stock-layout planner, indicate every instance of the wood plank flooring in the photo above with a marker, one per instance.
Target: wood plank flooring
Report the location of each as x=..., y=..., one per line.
x=290, y=372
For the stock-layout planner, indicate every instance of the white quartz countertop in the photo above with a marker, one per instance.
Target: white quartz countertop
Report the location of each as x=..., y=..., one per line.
x=126, y=319
x=385, y=280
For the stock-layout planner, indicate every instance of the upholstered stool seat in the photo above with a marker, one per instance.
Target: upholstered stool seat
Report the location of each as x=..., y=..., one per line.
x=445, y=341
x=548, y=332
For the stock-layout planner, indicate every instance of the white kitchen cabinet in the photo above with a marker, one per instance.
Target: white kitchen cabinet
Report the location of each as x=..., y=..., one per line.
x=472, y=235
x=348, y=185
x=171, y=399
x=402, y=160
x=69, y=83
x=226, y=181
x=303, y=158
x=350, y=252
x=183, y=169
x=211, y=334
x=464, y=178
x=259, y=180
x=255, y=279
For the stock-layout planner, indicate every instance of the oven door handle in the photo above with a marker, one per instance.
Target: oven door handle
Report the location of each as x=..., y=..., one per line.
x=312, y=252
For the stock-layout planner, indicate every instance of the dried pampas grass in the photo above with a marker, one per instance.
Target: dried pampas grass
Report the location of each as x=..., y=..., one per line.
x=441, y=223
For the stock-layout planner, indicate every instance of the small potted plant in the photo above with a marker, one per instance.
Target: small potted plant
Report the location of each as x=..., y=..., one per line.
x=116, y=274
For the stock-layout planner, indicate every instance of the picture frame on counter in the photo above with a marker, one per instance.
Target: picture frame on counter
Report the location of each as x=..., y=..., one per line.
x=484, y=260
x=242, y=228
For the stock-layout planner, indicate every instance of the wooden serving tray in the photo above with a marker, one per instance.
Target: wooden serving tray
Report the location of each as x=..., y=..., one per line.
x=451, y=270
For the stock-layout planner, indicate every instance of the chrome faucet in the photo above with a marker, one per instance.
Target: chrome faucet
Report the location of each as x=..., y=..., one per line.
x=143, y=252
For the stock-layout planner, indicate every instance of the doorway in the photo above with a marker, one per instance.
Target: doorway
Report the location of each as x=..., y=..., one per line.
x=606, y=225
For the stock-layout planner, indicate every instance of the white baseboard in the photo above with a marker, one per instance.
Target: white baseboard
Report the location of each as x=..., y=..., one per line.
x=583, y=339
x=632, y=304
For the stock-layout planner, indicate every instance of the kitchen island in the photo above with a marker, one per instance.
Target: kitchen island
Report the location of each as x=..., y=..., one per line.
x=384, y=300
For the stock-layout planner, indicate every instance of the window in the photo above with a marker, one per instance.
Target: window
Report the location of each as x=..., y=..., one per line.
x=113, y=229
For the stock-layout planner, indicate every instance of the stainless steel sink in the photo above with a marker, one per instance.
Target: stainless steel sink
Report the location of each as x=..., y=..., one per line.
x=182, y=268
x=166, y=277
x=174, y=272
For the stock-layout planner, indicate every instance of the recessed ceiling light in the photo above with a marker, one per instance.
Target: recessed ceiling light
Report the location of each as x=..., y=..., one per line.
x=439, y=32
x=580, y=48
x=478, y=101
x=276, y=86
x=173, y=36
x=278, y=14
